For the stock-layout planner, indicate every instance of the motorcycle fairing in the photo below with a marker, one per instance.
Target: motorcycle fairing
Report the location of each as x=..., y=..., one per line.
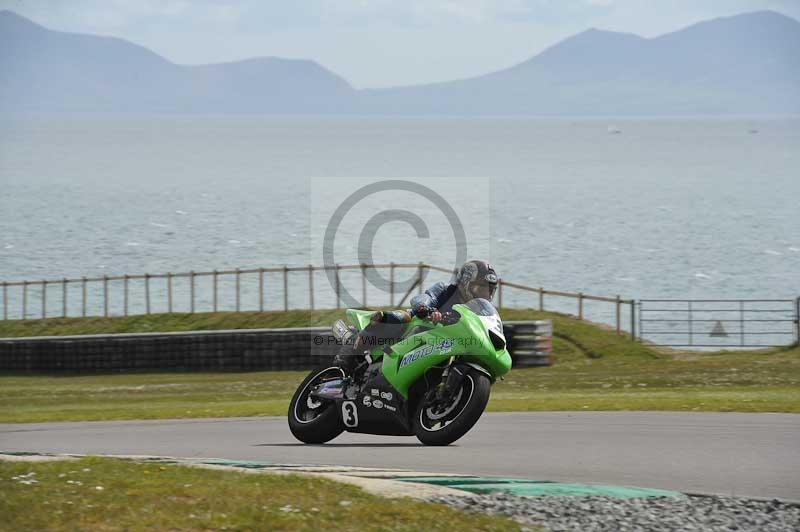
x=380, y=409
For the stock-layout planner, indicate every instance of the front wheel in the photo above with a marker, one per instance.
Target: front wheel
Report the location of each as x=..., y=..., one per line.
x=310, y=420
x=442, y=423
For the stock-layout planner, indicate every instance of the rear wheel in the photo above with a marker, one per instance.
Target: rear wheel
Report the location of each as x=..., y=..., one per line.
x=311, y=420
x=443, y=422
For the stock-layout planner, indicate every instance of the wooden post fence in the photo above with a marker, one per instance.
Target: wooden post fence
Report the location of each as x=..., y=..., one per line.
x=214, y=282
x=499, y=293
x=238, y=290
x=105, y=296
x=147, y=293
x=191, y=291
x=261, y=289
x=169, y=292
x=391, y=284
x=25, y=300
x=363, y=285
x=338, y=287
x=313, y=302
x=311, y=286
x=285, y=288
x=125, y=280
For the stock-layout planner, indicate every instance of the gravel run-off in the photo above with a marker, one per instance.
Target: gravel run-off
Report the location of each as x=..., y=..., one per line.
x=590, y=514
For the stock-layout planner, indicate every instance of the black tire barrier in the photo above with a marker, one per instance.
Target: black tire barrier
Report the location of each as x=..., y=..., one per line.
x=300, y=349
x=530, y=342
x=240, y=350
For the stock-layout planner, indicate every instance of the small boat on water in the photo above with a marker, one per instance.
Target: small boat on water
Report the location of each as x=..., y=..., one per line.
x=614, y=130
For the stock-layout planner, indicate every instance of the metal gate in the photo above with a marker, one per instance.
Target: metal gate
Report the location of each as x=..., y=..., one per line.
x=720, y=322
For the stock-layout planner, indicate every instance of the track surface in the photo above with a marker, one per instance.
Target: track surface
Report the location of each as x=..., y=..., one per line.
x=755, y=455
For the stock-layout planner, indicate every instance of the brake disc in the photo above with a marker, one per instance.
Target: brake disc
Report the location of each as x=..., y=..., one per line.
x=429, y=411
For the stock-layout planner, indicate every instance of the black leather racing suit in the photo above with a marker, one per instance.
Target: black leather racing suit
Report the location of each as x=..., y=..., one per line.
x=439, y=296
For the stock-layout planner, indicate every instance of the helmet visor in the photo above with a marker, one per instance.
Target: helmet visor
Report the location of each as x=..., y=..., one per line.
x=486, y=291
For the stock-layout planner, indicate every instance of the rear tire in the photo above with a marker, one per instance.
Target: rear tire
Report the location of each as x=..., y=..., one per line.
x=469, y=403
x=307, y=424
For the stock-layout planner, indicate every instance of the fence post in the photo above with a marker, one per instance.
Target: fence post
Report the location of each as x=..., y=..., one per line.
x=338, y=287
x=391, y=284
x=83, y=297
x=796, y=318
x=618, y=309
x=44, y=299
x=191, y=291
x=238, y=290
x=691, y=322
x=633, y=319
x=125, y=295
x=5, y=300
x=214, y=283
x=261, y=289
x=311, y=286
x=64, y=297
x=741, y=323
x=24, y=299
x=363, y=285
x=105, y=296
x=147, y=293
x=169, y=292
x=541, y=299
x=285, y=287
x=500, y=293
x=580, y=305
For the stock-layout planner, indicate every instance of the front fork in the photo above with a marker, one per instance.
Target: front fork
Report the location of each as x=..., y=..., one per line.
x=451, y=380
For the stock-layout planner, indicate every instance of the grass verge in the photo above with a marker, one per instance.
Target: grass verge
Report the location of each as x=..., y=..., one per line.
x=113, y=494
x=204, y=321
x=594, y=369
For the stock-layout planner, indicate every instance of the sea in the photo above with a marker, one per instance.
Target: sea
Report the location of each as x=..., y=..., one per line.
x=689, y=208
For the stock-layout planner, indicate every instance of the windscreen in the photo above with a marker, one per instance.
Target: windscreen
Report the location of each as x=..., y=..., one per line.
x=481, y=307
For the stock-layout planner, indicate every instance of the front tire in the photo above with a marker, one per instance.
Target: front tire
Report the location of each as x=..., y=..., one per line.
x=445, y=425
x=314, y=421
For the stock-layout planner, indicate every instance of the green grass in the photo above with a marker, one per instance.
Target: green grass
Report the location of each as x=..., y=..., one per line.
x=140, y=496
x=206, y=321
x=145, y=396
x=594, y=369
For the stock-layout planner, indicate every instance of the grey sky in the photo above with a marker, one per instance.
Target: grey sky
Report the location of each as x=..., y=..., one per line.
x=373, y=43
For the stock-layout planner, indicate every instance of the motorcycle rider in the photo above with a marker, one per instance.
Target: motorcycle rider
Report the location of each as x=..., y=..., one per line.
x=476, y=278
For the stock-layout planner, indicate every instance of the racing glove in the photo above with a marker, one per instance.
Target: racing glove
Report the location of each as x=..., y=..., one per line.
x=428, y=313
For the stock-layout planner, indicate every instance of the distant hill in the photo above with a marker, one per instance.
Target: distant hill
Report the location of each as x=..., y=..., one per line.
x=44, y=70
x=744, y=64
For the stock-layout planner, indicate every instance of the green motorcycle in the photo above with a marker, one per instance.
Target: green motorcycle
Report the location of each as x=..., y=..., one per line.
x=432, y=382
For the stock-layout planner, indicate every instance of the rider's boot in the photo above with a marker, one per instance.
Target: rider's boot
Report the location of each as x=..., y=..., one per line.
x=348, y=357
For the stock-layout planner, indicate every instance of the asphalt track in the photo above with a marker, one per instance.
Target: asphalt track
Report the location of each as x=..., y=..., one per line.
x=755, y=455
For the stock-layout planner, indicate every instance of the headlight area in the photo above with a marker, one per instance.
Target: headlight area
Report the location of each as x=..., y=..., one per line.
x=497, y=340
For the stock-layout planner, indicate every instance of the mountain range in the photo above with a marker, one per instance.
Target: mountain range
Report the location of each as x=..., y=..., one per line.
x=743, y=64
